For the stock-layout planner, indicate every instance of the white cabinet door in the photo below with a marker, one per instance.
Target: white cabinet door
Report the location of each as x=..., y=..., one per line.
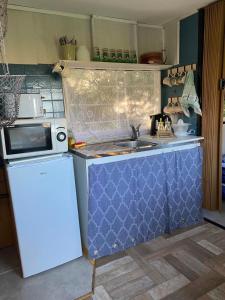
x=45, y=209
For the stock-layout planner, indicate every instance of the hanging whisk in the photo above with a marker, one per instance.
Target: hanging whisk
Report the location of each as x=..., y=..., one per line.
x=10, y=85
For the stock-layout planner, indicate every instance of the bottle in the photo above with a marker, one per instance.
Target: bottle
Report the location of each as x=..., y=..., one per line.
x=167, y=125
x=97, y=56
x=126, y=56
x=112, y=55
x=160, y=127
x=83, y=53
x=119, y=55
x=105, y=54
x=133, y=57
x=71, y=139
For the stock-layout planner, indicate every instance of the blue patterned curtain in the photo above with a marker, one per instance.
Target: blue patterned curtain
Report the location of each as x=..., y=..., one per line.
x=136, y=200
x=184, y=187
x=112, y=217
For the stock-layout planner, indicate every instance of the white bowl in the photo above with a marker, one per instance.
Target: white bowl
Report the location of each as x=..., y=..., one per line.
x=180, y=129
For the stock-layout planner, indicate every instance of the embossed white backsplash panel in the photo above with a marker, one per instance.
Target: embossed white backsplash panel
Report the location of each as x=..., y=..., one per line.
x=101, y=104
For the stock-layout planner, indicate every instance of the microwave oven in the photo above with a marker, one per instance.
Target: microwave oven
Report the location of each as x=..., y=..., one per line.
x=30, y=106
x=33, y=137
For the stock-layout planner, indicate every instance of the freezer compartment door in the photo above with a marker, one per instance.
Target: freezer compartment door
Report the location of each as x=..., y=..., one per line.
x=45, y=209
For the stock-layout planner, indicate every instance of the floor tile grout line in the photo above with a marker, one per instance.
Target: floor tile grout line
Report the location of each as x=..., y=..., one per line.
x=9, y=270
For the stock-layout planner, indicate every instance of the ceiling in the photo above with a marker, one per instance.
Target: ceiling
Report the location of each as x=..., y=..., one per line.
x=154, y=12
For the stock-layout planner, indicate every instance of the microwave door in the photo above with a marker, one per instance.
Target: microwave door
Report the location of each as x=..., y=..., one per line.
x=28, y=138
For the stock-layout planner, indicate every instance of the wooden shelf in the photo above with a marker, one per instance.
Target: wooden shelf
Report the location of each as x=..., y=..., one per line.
x=93, y=65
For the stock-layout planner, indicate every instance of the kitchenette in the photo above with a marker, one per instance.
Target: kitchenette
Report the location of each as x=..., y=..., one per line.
x=131, y=172
x=101, y=145
x=138, y=165
x=130, y=192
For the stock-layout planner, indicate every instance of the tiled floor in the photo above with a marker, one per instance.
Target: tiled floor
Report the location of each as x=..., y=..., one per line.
x=188, y=265
x=66, y=282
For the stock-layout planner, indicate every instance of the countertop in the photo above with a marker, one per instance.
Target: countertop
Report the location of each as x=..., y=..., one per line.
x=108, y=149
x=172, y=140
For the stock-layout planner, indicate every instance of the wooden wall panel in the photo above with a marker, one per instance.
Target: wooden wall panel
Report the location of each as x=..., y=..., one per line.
x=212, y=106
x=6, y=228
x=6, y=222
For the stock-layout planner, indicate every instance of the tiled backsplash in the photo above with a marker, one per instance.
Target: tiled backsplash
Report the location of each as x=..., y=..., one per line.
x=40, y=79
x=102, y=104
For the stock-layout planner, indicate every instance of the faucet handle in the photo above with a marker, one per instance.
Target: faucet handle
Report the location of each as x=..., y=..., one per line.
x=134, y=132
x=138, y=129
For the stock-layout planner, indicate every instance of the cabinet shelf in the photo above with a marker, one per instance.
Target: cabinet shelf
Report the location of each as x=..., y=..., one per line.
x=93, y=65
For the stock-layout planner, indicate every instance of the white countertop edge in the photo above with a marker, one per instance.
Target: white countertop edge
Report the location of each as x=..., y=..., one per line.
x=173, y=140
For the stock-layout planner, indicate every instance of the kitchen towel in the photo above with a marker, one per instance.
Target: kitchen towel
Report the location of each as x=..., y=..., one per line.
x=189, y=97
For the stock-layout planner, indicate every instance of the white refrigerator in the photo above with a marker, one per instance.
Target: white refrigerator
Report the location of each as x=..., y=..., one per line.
x=45, y=210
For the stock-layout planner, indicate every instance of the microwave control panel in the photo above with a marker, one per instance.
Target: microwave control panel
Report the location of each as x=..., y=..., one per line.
x=61, y=135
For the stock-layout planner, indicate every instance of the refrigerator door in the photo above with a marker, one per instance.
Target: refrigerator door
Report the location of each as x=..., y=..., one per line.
x=45, y=210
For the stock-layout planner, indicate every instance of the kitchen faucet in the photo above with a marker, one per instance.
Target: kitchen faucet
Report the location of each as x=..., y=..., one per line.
x=135, y=132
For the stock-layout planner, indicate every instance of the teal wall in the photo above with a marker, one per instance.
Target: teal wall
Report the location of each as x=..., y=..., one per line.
x=189, y=40
x=189, y=54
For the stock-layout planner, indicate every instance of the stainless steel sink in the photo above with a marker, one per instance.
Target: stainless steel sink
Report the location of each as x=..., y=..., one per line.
x=135, y=144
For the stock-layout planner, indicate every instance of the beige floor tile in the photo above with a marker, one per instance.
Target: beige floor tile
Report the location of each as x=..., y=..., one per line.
x=101, y=294
x=210, y=247
x=113, y=265
x=132, y=289
x=189, y=260
x=168, y=287
x=115, y=272
x=165, y=269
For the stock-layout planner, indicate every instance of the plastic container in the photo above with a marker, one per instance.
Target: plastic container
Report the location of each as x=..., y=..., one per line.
x=180, y=129
x=83, y=54
x=68, y=52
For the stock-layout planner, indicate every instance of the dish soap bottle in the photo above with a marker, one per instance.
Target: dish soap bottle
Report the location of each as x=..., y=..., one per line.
x=167, y=125
x=160, y=126
x=71, y=139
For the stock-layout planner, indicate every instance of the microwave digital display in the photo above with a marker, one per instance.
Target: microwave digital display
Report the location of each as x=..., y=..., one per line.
x=28, y=138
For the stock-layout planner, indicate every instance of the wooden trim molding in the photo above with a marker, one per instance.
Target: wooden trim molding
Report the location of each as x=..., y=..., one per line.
x=212, y=106
x=7, y=232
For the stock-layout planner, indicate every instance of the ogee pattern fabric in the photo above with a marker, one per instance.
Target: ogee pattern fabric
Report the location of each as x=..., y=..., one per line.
x=184, y=187
x=136, y=200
